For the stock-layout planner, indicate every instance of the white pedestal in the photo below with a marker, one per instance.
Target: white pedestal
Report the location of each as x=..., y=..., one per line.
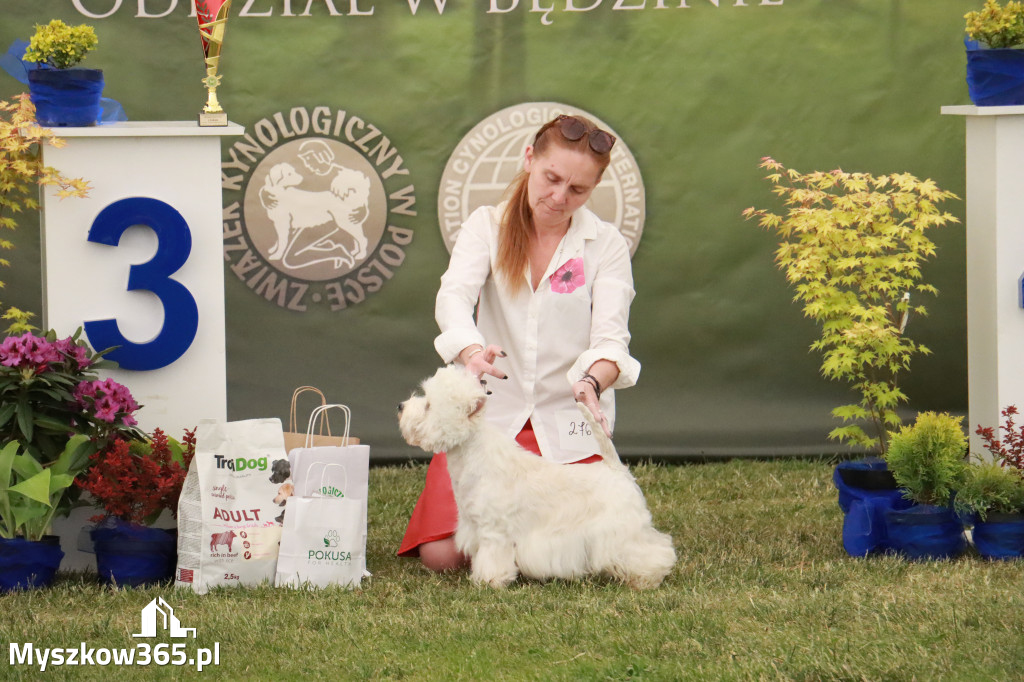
x=174, y=167
x=160, y=170
x=995, y=263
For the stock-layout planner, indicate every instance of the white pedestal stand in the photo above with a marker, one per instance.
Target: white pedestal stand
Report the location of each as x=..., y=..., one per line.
x=167, y=176
x=995, y=263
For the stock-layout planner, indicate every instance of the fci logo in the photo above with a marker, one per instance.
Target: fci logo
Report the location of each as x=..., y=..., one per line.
x=491, y=154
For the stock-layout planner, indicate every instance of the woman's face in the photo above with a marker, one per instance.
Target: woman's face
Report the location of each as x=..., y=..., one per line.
x=561, y=180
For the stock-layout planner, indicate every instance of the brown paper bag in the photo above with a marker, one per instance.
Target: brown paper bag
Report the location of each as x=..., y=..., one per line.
x=293, y=438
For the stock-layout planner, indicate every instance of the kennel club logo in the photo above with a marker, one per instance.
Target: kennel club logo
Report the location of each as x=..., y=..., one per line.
x=315, y=209
x=490, y=155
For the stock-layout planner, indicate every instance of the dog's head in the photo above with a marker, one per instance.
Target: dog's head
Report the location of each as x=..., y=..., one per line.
x=280, y=471
x=447, y=412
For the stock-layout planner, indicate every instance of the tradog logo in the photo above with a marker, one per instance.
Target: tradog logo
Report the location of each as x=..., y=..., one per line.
x=490, y=155
x=314, y=208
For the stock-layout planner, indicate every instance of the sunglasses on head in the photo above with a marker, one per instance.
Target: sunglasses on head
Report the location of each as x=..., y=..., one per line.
x=574, y=129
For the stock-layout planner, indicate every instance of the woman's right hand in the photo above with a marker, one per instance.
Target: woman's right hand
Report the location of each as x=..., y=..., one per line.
x=480, y=361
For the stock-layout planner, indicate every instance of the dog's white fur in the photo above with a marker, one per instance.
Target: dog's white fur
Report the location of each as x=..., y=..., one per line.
x=519, y=513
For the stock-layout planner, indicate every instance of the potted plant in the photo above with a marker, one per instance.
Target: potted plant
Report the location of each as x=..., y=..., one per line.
x=31, y=494
x=133, y=482
x=995, y=64
x=867, y=491
x=64, y=95
x=50, y=390
x=927, y=459
x=852, y=244
x=993, y=491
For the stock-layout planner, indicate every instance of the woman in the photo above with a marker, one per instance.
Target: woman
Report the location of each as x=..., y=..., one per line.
x=554, y=286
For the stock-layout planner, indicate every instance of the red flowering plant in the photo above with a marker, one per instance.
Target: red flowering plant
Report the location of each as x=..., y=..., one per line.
x=1008, y=451
x=134, y=481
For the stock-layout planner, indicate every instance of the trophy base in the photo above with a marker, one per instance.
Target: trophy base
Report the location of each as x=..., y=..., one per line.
x=219, y=118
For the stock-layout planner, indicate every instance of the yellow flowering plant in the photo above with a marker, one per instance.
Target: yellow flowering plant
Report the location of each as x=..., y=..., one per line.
x=59, y=45
x=996, y=25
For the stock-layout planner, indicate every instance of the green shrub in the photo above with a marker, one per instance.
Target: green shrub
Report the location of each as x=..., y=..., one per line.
x=927, y=459
x=988, y=487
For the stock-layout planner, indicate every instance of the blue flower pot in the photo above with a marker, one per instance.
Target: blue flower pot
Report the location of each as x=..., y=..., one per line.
x=995, y=77
x=1000, y=536
x=26, y=564
x=925, y=532
x=867, y=490
x=128, y=554
x=66, y=97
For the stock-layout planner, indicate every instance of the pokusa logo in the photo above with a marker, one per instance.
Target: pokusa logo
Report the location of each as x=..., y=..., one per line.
x=315, y=209
x=491, y=154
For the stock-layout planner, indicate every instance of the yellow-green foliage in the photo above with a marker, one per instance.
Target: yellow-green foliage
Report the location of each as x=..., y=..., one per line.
x=997, y=26
x=60, y=45
x=22, y=172
x=990, y=487
x=852, y=245
x=928, y=459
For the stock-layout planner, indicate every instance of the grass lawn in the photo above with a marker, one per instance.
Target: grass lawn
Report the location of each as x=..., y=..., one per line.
x=762, y=590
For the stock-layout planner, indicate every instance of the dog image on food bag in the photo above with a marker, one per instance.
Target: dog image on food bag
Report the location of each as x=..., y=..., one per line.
x=523, y=514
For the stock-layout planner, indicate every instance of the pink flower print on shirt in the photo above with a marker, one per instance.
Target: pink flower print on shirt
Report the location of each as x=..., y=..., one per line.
x=569, y=277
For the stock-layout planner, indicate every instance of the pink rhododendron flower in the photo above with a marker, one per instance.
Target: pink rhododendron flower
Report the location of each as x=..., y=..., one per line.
x=569, y=277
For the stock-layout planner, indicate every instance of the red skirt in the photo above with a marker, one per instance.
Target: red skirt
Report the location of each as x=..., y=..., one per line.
x=436, y=515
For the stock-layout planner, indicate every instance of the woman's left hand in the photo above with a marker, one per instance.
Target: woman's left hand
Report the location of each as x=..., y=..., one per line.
x=584, y=392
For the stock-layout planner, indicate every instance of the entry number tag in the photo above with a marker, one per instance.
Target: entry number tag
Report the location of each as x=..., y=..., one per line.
x=575, y=433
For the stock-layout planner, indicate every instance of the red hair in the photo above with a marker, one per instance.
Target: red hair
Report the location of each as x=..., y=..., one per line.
x=516, y=229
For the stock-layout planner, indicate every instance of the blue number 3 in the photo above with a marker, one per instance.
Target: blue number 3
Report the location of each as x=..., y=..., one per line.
x=181, y=315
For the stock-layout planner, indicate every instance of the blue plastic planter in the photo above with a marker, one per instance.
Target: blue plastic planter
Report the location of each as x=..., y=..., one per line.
x=995, y=77
x=926, y=532
x=1000, y=536
x=866, y=491
x=131, y=555
x=66, y=97
x=26, y=564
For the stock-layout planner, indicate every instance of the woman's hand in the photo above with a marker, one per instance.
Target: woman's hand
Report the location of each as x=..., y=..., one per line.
x=585, y=392
x=480, y=361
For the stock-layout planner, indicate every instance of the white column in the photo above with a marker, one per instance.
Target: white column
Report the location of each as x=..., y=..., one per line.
x=167, y=174
x=995, y=263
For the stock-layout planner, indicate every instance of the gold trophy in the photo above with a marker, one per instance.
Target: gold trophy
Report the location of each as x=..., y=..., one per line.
x=213, y=18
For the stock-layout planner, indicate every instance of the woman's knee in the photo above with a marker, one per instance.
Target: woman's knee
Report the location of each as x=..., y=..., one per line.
x=441, y=555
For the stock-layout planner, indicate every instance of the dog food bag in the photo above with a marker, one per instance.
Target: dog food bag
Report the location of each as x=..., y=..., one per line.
x=231, y=508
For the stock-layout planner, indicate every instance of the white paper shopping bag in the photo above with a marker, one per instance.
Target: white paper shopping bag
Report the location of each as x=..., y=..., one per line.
x=323, y=543
x=313, y=474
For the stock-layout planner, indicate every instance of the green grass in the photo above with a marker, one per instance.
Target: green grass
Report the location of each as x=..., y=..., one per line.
x=762, y=590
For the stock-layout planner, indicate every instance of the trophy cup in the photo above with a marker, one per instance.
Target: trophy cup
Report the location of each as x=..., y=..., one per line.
x=213, y=18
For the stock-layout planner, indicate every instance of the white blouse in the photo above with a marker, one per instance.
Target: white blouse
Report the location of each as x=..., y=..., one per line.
x=578, y=315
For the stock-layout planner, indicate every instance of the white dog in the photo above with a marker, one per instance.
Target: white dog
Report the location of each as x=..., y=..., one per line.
x=519, y=513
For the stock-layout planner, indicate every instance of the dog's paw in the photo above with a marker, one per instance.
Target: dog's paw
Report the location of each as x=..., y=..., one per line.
x=498, y=581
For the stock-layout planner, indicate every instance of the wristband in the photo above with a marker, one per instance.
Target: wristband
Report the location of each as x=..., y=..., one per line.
x=592, y=380
x=473, y=352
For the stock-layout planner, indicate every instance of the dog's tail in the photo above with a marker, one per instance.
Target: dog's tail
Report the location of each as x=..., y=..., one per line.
x=607, y=450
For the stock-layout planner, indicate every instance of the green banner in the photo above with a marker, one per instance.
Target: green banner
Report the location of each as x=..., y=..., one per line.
x=400, y=115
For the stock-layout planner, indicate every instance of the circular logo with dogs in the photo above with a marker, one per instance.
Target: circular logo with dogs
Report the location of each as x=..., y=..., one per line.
x=316, y=203
x=490, y=155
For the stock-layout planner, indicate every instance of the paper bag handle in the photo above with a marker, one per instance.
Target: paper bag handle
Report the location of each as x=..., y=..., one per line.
x=320, y=412
x=292, y=417
x=323, y=474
